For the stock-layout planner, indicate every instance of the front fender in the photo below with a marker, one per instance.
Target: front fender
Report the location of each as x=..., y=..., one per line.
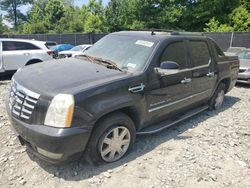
x=98, y=106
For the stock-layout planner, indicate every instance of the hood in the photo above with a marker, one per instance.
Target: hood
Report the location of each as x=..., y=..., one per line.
x=245, y=63
x=67, y=76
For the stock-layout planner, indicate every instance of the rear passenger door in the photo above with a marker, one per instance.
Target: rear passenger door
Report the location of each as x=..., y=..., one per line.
x=203, y=70
x=16, y=54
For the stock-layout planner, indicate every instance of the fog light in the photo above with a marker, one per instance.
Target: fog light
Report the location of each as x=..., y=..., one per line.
x=49, y=154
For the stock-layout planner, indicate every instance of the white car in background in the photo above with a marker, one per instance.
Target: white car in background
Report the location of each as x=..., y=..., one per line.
x=16, y=53
x=77, y=50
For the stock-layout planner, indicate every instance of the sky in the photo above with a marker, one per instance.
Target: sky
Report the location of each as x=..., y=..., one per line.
x=76, y=2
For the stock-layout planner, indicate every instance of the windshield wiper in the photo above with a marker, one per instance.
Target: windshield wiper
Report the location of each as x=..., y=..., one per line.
x=110, y=64
x=90, y=58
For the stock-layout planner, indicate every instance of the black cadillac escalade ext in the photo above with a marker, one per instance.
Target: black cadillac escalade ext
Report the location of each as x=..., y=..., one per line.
x=129, y=83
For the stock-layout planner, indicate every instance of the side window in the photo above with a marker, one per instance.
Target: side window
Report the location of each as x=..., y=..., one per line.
x=175, y=52
x=29, y=46
x=218, y=51
x=199, y=53
x=11, y=45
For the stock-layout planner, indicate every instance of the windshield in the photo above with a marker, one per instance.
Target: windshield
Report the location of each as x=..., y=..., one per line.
x=77, y=48
x=127, y=52
x=244, y=55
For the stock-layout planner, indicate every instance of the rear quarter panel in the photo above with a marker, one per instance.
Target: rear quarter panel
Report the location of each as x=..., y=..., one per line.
x=228, y=68
x=40, y=54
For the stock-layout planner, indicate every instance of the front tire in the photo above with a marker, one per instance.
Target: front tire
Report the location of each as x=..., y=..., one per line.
x=218, y=98
x=111, y=139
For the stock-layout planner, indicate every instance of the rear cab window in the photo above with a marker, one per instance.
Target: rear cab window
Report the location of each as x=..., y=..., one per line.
x=199, y=53
x=13, y=45
x=217, y=51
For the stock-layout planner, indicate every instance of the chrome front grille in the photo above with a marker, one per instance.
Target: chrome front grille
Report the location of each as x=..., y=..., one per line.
x=22, y=101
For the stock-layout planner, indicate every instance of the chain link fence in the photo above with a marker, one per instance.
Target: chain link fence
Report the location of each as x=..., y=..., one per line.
x=234, y=39
x=74, y=39
x=224, y=40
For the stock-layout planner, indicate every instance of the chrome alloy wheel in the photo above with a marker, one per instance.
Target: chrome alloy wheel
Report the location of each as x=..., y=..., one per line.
x=115, y=143
x=219, y=99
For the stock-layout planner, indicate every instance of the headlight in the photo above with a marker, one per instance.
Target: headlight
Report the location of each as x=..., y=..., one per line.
x=60, y=111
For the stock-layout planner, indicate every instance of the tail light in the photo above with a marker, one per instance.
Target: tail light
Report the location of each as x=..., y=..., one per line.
x=51, y=53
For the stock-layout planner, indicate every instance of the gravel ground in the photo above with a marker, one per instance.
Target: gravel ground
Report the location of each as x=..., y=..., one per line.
x=211, y=149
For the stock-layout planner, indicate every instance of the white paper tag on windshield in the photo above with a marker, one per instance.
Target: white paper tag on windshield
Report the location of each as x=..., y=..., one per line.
x=144, y=43
x=131, y=65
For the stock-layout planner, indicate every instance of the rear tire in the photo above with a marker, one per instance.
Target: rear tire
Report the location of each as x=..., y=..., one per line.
x=218, y=98
x=111, y=139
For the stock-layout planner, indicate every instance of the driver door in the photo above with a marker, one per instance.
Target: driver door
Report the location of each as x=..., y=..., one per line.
x=170, y=94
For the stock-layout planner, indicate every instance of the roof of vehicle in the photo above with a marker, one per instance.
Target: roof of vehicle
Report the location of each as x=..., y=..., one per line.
x=159, y=35
x=20, y=40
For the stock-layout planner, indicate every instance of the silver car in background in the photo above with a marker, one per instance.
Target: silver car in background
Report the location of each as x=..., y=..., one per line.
x=244, y=73
x=232, y=51
x=16, y=53
x=77, y=50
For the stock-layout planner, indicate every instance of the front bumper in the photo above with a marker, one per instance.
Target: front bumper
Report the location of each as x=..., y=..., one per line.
x=244, y=77
x=53, y=145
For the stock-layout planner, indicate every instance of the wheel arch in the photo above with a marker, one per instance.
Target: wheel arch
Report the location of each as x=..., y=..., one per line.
x=131, y=111
x=33, y=61
x=227, y=82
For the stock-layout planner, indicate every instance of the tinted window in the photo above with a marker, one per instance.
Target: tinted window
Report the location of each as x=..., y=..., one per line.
x=175, y=52
x=199, y=53
x=11, y=45
x=50, y=44
x=218, y=51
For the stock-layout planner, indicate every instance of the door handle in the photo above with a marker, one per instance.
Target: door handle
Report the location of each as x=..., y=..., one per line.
x=137, y=88
x=210, y=74
x=26, y=53
x=186, y=80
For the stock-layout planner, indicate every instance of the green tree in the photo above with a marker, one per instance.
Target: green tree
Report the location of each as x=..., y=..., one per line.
x=113, y=15
x=94, y=24
x=197, y=13
x=94, y=14
x=214, y=26
x=54, y=11
x=3, y=28
x=72, y=22
x=241, y=19
x=14, y=15
x=122, y=14
x=36, y=19
x=245, y=4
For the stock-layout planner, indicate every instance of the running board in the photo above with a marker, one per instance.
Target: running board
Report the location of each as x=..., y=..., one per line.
x=166, y=124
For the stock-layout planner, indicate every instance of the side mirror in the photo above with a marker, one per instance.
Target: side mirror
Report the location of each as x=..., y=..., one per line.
x=167, y=68
x=169, y=65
